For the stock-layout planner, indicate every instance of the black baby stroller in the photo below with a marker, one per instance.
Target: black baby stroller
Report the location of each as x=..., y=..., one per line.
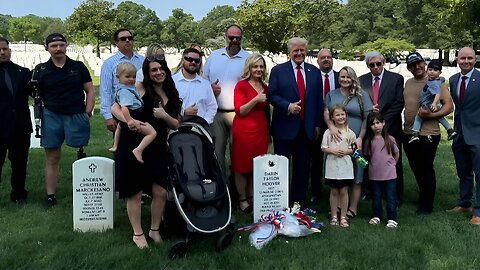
x=198, y=187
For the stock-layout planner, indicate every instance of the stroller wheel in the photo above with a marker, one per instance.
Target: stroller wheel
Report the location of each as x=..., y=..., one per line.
x=178, y=250
x=225, y=240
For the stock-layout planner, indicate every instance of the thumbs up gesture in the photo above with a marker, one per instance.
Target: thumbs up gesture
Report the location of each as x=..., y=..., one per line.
x=216, y=88
x=295, y=107
x=261, y=97
x=191, y=110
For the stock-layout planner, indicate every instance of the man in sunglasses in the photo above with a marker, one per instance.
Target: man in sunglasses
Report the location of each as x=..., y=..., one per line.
x=195, y=91
x=223, y=69
x=385, y=88
x=108, y=80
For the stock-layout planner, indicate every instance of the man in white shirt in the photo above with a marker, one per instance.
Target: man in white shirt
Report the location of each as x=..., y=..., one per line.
x=223, y=69
x=195, y=92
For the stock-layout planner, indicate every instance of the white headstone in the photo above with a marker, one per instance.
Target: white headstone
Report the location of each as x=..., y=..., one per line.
x=93, y=194
x=270, y=184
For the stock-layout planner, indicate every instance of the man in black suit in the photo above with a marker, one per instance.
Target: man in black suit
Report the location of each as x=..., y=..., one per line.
x=386, y=91
x=15, y=122
x=329, y=82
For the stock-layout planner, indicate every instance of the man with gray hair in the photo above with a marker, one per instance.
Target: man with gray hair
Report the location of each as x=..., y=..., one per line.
x=385, y=88
x=294, y=93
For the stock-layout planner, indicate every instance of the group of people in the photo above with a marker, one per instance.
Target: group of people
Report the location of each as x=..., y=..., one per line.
x=317, y=113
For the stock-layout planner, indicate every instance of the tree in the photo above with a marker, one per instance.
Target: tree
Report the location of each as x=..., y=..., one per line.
x=463, y=16
x=51, y=25
x=392, y=49
x=26, y=28
x=143, y=22
x=179, y=29
x=4, y=25
x=93, y=22
x=214, y=23
x=269, y=24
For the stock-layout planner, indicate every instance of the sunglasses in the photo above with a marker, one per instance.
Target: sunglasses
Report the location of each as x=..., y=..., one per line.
x=231, y=38
x=125, y=38
x=159, y=57
x=192, y=60
x=372, y=65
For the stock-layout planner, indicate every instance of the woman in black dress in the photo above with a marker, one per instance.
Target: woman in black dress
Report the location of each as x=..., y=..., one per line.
x=161, y=109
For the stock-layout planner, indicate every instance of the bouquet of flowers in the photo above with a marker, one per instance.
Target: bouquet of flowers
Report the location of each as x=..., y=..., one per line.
x=290, y=222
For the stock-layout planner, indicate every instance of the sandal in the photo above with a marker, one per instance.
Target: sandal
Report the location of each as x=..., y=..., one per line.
x=246, y=210
x=140, y=241
x=374, y=221
x=155, y=236
x=334, y=221
x=392, y=224
x=344, y=222
x=350, y=213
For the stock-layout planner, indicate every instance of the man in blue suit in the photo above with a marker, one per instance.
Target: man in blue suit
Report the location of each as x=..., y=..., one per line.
x=465, y=91
x=294, y=93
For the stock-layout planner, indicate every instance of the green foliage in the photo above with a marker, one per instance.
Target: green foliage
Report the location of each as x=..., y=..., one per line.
x=4, y=25
x=26, y=28
x=142, y=21
x=93, y=22
x=213, y=24
x=390, y=48
x=179, y=29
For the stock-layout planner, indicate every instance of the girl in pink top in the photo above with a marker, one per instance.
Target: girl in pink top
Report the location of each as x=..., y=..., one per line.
x=382, y=151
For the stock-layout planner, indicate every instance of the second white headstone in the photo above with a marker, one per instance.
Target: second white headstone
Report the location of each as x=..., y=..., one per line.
x=270, y=184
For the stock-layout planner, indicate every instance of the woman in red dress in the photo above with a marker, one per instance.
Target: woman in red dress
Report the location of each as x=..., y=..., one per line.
x=250, y=126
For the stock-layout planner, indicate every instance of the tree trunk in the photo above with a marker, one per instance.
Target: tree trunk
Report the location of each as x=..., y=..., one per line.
x=98, y=49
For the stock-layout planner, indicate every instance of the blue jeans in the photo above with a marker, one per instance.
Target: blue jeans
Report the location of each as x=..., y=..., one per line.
x=388, y=189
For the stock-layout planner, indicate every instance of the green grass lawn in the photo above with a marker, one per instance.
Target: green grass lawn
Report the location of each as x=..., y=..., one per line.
x=33, y=237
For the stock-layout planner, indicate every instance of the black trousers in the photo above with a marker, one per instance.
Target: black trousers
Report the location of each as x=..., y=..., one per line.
x=421, y=155
x=17, y=148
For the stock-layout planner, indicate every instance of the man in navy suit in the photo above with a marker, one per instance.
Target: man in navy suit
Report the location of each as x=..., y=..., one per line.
x=329, y=82
x=465, y=91
x=15, y=121
x=388, y=100
x=294, y=93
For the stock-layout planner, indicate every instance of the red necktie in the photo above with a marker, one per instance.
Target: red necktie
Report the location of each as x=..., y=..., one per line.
x=326, y=87
x=301, y=89
x=376, y=88
x=462, y=88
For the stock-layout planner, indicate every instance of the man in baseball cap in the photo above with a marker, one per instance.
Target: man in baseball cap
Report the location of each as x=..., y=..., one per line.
x=413, y=58
x=54, y=37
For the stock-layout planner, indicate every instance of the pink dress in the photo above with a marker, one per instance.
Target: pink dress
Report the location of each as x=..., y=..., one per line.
x=250, y=134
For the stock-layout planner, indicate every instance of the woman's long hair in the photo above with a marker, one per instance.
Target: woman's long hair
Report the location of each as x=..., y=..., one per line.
x=168, y=84
x=355, y=90
x=370, y=134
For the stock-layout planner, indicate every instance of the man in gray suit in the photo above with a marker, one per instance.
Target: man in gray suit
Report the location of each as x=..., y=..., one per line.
x=385, y=88
x=465, y=91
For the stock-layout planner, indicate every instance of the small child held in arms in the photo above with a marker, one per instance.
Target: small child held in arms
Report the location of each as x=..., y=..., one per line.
x=131, y=103
x=430, y=97
x=382, y=150
x=338, y=165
